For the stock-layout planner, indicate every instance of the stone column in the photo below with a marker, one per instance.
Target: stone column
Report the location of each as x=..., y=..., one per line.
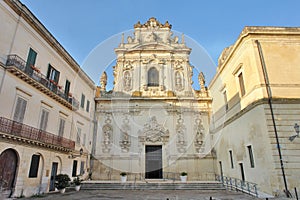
x=145, y=81
x=161, y=81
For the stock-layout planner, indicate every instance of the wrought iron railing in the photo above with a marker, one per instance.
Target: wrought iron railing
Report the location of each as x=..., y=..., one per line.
x=239, y=185
x=22, y=130
x=171, y=176
x=34, y=73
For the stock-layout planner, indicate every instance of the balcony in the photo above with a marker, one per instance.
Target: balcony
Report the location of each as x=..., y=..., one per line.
x=34, y=77
x=20, y=132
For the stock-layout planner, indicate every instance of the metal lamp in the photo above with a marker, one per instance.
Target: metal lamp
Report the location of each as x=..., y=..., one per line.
x=296, y=127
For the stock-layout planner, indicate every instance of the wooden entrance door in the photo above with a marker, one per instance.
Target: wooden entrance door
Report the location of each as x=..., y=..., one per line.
x=154, y=162
x=53, y=175
x=8, y=169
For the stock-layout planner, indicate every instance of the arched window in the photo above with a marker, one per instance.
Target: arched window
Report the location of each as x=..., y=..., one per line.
x=153, y=77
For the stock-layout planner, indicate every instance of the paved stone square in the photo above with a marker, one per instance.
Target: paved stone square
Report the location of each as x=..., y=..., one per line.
x=146, y=195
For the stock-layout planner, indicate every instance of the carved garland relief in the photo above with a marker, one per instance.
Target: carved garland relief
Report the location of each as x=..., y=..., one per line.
x=180, y=131
x=199, y=134
x=107, y=131
x=125, y=141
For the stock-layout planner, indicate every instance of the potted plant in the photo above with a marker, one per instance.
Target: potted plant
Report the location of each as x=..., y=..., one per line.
x=123, y=177
x=77, y=182
x=183, y=176
x=61, y=182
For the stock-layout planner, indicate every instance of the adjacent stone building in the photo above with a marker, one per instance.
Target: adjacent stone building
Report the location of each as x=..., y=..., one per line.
x=153, y=123
x=47, y=106
x=255, y=107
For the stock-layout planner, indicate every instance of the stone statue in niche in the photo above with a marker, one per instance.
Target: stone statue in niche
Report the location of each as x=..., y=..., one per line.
x=178, y=81
x=127, y=81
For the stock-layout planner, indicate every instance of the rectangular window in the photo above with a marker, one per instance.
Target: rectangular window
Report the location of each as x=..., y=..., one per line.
x=82, y=168
x=242, y=85
x=78, y=135
x=225, y=99
x=67, y=87
x=82, y=100
x=87, y=105
x=34, y=166
x=20, y=110
x=74, y=171
x=53, y=77
x=61, y=127
x=231, y=159
x=84, y=139
x=251, y=156
x=44, y=119
x=30, y=61
x=242, y=171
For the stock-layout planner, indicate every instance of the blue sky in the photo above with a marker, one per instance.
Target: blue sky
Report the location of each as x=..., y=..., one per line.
x=80, y=25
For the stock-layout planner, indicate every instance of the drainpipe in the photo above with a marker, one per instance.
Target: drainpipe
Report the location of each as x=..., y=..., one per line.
x=269, y=92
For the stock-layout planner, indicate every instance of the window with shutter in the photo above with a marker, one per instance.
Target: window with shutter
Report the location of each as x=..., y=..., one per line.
x=20, y=110
x=61, y=127
x=242, y=85
x=82, y=100
x=78, y=135
x=53, y=77
x=87, y=105
x=84, y=138
x=30, y=61
x=44, y=119
x=82, y=168
x=67, y=87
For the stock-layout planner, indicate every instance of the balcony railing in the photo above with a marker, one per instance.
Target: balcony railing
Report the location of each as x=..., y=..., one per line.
x=35, y=135
x=36, y=75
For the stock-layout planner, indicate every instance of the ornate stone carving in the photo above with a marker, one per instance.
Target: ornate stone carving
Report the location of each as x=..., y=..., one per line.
x=107, y=131
x=125, y=141
x=178, y=64
x=199, y=134
x=103, y=81
x=180, y=131
x=152, y=37
x=153, y=132
x=153, y=23
x=115, y=71
x=128, y=65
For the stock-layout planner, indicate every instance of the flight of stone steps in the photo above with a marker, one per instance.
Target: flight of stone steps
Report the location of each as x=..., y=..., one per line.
x=100, y=185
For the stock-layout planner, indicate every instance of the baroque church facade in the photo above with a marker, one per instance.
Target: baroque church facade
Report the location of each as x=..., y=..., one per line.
x=153, y=123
